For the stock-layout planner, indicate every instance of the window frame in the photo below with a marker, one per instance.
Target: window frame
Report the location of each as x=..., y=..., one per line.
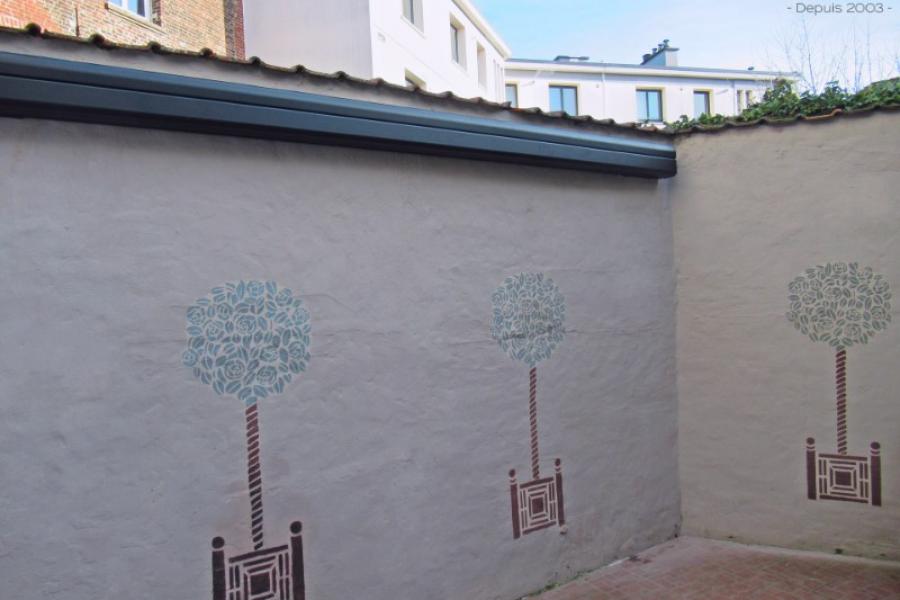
x=709, y=101
x=457, y=42
x=123, y=5
x=562, y=86
x=481, y=64
x=412, y=13
x=662, y=105
x=515, y=87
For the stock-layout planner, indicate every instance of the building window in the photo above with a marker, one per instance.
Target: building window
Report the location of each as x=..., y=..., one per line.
x=701, y=104
x=649, y=105
x=457, y=43
x=564, y=98
x=482, y=66
x=412, y=11
x=412, y=81
x=512, y=94
x=138, y=7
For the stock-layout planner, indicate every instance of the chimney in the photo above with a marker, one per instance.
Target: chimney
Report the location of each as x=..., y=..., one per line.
x=234, y=28
x=663, y=55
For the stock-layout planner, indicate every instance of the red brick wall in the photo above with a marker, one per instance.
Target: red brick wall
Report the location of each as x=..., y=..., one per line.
x=19, y=13
x=184, y=24
x=234, y=27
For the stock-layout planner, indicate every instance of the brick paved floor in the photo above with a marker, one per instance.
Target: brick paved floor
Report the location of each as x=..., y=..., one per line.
x=699, y=569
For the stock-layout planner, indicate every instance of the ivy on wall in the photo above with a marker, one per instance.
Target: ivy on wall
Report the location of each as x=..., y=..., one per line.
x=782, y=102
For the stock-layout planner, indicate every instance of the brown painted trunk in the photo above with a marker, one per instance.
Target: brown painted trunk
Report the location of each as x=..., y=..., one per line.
x=840, y=369
x=254, y=477
x=532, y=417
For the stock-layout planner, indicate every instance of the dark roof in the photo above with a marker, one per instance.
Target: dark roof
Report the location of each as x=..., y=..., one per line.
x=52, y=87
x=533, y=115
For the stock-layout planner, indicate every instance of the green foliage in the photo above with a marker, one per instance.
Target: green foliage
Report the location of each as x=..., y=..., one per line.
x=782, y=102
x=704, y=120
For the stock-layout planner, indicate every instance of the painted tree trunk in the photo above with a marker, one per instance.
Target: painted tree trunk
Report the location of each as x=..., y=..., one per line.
x=841, y=384
x=254, y=477
x=532, y=416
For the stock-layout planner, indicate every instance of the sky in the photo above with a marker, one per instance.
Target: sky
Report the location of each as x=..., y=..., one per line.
x=708, y=33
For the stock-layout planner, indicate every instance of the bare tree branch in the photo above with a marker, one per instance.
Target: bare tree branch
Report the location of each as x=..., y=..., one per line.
x=852, y=60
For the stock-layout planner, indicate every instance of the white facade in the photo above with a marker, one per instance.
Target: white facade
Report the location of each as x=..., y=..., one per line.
x=323, y=36
x=401, y=41
x=610, y=91
x=446, y=45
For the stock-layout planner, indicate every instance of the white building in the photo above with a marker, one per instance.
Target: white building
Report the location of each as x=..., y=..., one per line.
x=438, y=45
x=654, y=91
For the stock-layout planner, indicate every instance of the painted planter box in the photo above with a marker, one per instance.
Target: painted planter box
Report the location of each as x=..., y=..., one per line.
x=843, y=477
x=268, y=574
x=536, y=504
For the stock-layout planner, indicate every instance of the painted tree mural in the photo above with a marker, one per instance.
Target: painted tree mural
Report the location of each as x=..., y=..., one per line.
x=528, y=316
x=248, y=339
x=841, y=304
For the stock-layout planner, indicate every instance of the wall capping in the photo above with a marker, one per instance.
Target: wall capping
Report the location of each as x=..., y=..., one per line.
x=50, y=88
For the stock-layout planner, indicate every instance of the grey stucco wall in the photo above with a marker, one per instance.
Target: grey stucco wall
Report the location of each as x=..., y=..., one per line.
x=752, y=209
x=118, y=467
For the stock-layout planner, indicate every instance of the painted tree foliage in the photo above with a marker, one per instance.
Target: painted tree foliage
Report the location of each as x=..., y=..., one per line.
x=248, y=339
x=840, y=304
x=528, y=325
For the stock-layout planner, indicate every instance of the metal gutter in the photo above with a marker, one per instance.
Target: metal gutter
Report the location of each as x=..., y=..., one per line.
x=43, y=87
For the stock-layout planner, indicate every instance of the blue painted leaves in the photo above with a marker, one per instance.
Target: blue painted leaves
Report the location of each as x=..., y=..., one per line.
x=528, y=317
x=247, y=339
x=840, y=304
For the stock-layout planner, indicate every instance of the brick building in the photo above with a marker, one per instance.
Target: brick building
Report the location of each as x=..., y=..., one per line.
x=183, y=24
